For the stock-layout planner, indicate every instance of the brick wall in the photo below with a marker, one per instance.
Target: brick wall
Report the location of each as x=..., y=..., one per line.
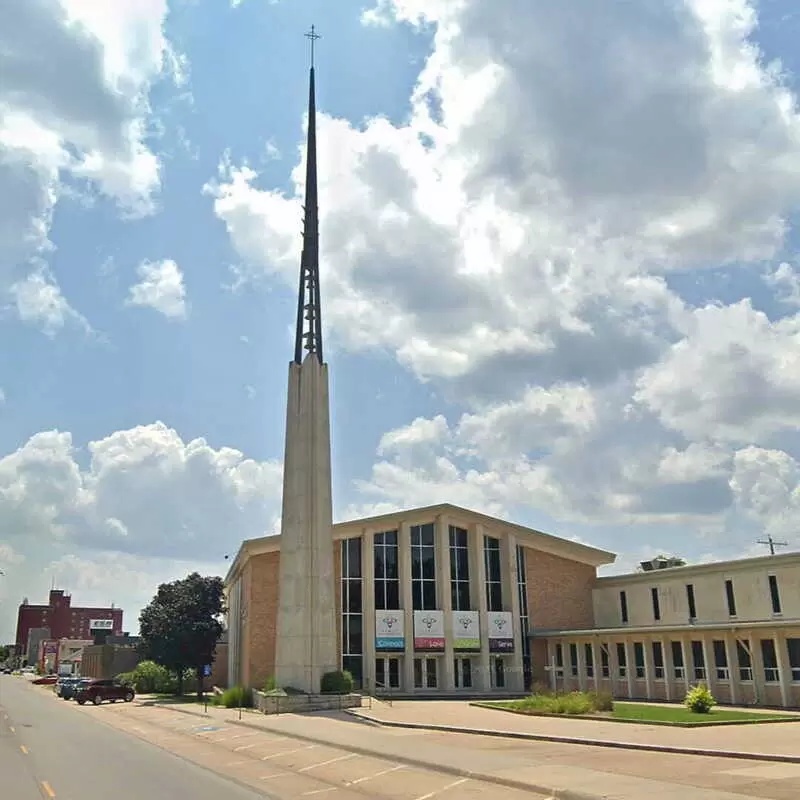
x=559, y=591
x=261, y=576
x=219, y=669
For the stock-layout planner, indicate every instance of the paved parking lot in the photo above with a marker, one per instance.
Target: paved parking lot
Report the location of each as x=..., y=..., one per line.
x=284, y=767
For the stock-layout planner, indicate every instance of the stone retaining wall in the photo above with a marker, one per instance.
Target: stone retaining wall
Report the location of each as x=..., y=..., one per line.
x=299, y=703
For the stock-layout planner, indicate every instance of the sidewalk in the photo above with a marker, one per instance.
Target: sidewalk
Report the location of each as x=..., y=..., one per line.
x=539, y=770
x=778, y=742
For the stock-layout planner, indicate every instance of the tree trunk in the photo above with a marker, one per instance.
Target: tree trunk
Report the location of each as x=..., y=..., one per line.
x=180, y=681
x=200, y=682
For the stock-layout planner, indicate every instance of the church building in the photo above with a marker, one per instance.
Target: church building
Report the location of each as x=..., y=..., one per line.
x=442, y=599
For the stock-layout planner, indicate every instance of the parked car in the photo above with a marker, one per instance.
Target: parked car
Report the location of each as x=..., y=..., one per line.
x=97, y=691
x=65, y=686
x=70, y=690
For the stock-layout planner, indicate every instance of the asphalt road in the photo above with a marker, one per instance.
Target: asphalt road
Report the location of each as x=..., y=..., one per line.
x=48, y=751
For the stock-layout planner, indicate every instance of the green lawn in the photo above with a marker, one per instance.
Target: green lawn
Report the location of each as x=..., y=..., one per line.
x=647, y=713
x=641, y=712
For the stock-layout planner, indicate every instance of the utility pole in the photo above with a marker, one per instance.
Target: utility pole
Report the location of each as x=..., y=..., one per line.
x=772, y=544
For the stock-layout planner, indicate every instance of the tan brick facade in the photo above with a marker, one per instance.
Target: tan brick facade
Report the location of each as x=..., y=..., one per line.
x=260, y=581
x=559, y=591
x=559, y=596
x=260, y=586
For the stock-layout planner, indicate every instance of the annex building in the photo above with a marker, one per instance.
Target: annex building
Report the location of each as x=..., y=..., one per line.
x=442, y=599
x=733, y=625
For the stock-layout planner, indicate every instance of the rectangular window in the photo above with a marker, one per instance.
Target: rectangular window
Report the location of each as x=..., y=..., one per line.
x=638, y=660
x=589, y=656
x=498, y=673
x=690, y=601
x=559, y=656
x=352, y=608
x=698, y=661
x=387, y=673
x=743, y=660
x=425, y=673
x=423, y=567
x=623, y=605
x=721, y=660
x=678, y=666
x=771, y=672
x=524, y=622
x=387, y=578
x=605, y=669
x=573, y=660
x=463, y=672
x=459, y=569
x=731, y=598
x=658, y=661
x=494, y=586
x=656, y=604
x=793, y=647
x=622, y=660
x=774, y=594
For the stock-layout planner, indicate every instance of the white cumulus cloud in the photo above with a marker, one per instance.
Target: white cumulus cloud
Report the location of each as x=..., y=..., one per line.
x=160, y=287
x=76, y=76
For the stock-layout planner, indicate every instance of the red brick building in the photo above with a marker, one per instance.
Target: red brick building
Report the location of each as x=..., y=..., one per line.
x=65, y=621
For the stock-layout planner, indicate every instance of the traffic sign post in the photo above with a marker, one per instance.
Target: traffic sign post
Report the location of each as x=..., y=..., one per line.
x=204, y=673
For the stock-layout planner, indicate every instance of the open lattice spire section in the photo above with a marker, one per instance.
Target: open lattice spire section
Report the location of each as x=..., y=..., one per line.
x=308, y=337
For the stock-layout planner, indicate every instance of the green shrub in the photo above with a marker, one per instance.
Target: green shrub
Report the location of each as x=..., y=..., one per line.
x=602, y=701
x=270, y=685
x=699, y=699
x=126, y=679
x=236, y=697
x=336, y=683
x=151, y=678
x=571, y=703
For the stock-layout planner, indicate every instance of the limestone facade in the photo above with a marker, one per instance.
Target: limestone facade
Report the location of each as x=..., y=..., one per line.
x=734, y=626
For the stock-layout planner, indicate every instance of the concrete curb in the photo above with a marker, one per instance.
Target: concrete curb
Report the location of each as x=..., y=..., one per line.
x=541, y=737
x=547, y=792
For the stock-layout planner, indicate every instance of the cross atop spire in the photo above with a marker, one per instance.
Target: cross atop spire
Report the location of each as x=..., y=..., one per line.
x=308, y=335
x=312, y=36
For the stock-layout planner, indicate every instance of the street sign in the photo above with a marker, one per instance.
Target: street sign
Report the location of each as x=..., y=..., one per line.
x=207, y=671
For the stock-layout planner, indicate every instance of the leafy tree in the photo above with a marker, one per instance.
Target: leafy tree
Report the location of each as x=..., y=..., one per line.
x=181, y=625
x=5, y=652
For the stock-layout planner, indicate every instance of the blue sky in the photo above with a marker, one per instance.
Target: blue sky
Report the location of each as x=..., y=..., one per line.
x=559, y=274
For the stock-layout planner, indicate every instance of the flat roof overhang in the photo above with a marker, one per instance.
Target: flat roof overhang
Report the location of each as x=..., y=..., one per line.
x=728, y=625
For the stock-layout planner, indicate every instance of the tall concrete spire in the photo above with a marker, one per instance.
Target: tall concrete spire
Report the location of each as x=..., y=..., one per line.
x=306, y=625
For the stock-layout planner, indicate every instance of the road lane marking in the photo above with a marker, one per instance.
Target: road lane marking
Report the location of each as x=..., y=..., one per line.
x=376, y=775
x=244, y=747
x=245, y=735
x=289, y=752
x=274, y=775
x=319, y=791
x=48, y=790
x=24, y=749
x=443, y=789
x=235, y=763
x=13, y=730
x=329, y=761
